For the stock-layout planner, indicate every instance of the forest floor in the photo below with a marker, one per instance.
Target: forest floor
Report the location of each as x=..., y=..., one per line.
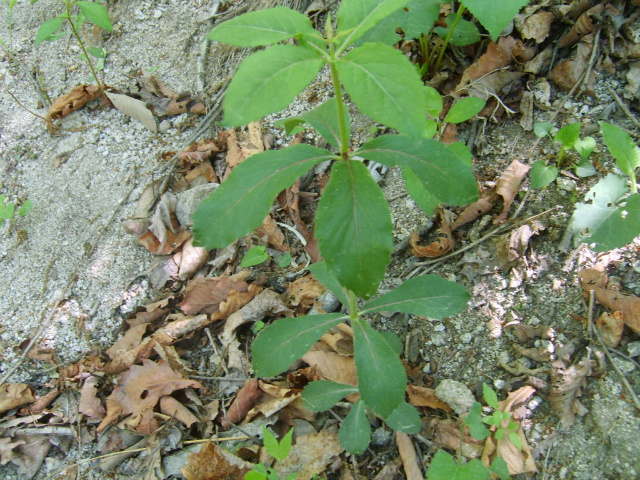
x=91, y=310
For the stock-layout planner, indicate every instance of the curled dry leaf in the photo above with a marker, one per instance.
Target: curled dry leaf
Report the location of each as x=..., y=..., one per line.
x=446, y=433
x=409, y=457
x=153, y=311
x=190, y=259
x=568, y=73
x=245, y=400
x=77, y=98
x=310, y=455
x=498, y=55
x=593, y=279
x=475, y=210
x=42, y=403
x=90, y=404
x=537, y=26
x=303, y=292
x=13, y=395
x=164, y=102
x=214, y=463
x=508, y=185
x=271, y=231
x=425, y=397
x=134, y=108
x=583, y=26
x=442, y=245
x=205, y=294
x=241, y=146
x=173, y=408
x=611, y=326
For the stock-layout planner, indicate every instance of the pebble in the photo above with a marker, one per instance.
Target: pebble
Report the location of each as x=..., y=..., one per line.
x=455, y=394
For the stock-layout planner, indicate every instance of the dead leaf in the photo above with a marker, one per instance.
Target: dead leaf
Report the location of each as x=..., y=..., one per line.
x=241, y=146
x=332, y=366
x=43, y=402
x=153, y=311
x=583, y=26
x=611, y=327
x=567, y=73
x=77, y=98
x=172, y=407
x=164, y=102
x=13, y=395
x=273, y=234
x=190, y=259
x=475, y=210
x=409, y=458
x=537, y=26
x=508, y=185
x=90, y=405
x=26, y=452
x=310, y=455
x=425, y=397
x=303, y=292
x=613, y=300
x=134, y=108
x=442, y=245
x=204, y=295
x=245, y=399
x=498, y=55
x=446, y=433
x=214, y=463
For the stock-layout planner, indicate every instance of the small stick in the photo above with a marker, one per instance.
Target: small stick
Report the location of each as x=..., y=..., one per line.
x=624, y=108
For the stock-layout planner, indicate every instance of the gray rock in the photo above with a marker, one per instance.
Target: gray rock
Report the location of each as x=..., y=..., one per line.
x=189, y=200
x=455, y=394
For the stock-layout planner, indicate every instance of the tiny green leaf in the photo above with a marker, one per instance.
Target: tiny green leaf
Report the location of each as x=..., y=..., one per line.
x=97, y=52
x=465, y=33
x=322, y=274
x=225, y=215
x=263, y=27
x=353, y=228
x=443, y=174
x=542, y=174
x=6, y=211
x=568, y=135
x=25, y=208
x=277, y=449
x=356, y=17
x=287, y=339
x=322, y=395
x=384, y=85
x=267, y=81
x=585, y=146
x=495, y=15
x=585, y=169
x=47, y=29
x=542, y=129
x=379, y=370
x=499, y=435
x=255, y=256
x=324, y=119
x=444, y=467
x=96, y=14
x=405, y=419
x=428, y=295
x=464, y=109
x=490, y=396
x=434, y=101
x=622, y=147
x=355, y=431
x=474, y=421
x=285, y=260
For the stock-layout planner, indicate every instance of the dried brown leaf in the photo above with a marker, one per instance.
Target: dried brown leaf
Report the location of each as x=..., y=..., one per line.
x=190, y=259
x=13, y=395
x=611, y=327
x=446, y=433
x=568, y=73
x=77, y=98
x=204, y=295
x=245, y=400
x=134, y=108
x=214, y=463
x=241, y=146
x=90, y=404
x=425, y=397
x=409, y=457
x=310, y=455
x=172, y=407
x=273, y=234
x=43, y=402
x=475, y=210
x=498, y=55
x=153, y=311
x=537, y=26
x=508, y=185
x=303, y=292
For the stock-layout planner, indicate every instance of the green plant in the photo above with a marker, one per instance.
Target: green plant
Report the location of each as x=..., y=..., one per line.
x=353, y=224
x=7, y=211
x=278, y=450
x=8, y=45
x=258, y=254
x=444, y=467
x=610, y=215
x=542, y=174
x=91, y=11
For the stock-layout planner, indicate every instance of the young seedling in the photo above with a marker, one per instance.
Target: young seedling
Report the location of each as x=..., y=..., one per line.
x=278, y=450
x=610, y=215
x=7, y=211
x=91, y=11
x=258, y=254
x=542, y=173
x=8, y=45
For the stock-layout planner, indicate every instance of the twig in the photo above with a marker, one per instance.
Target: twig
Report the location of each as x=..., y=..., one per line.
x=221, y=379
x=204, y=49
x=624, y=108
x=598, y=335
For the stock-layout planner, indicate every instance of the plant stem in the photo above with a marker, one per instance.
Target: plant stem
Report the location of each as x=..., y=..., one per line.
x=634, y=185
x=449, y=35
x=337, y=89
x=353, y=306
x=84, y=50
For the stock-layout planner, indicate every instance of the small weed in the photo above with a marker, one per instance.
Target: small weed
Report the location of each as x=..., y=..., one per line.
x=8, y=211
x=278, y=450
x=257, y=255
x=8, y=45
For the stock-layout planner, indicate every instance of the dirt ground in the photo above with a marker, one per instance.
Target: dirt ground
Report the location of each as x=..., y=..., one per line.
x=69, y=269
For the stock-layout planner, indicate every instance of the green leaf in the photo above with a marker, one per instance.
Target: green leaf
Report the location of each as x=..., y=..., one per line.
x=255, y=256
x=394, y=342
x=6, y=211
x=417, y=17
x=605, y=218
x=324, y=119
x=240, y=204
x=285, y=260
x=97, y=52
x=434, y=101
x=568, y=135
x=515, y=439
x=500, y=468
x=425, y=200
x=622, y=147
x=585, y=169
x=474, y=421
x=384, y=85
x=256, y=474
x=263, y=27
x=355, y=431
x=542, y=129
x=322, y=274
x=47, y=29
x=353, y=228
x=25, y=208
x=381, y=376
x=322, y=395
x=499, y=435
x=490, y=396
x=428, y=295
x=356, y=17
x=96, y=14
x=277, y=449
x=462, y=151
x=287, y=339
x=542, y=174
x=495, y=15
x=443, y=467
x=441, y=171
x=267, y=82
x=465, y=33
x=405, y=419
x=464, y=109
x=585, y=146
